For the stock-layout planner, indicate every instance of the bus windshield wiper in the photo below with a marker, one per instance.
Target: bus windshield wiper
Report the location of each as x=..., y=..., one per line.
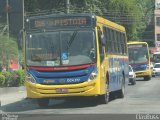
x=71, y=40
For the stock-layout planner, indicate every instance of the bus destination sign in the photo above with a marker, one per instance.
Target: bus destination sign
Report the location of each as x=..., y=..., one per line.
x=59, y=22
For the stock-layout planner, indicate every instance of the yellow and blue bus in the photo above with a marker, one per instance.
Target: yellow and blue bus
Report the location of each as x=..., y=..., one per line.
x=74, y=55
x=139, y=59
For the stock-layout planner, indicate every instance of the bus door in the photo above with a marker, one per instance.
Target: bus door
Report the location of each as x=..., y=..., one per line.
x=103, y=62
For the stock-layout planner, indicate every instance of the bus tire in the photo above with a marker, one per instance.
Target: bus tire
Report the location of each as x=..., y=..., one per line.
x=147, y=78
x=43, y=102
x=121, y=92
x=104, y=99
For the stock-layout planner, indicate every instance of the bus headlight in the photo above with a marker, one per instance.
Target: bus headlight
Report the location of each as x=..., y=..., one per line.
x=30, y=78
x=93, y=75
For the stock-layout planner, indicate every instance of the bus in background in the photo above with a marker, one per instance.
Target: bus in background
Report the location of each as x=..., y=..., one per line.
x=74, y=55
x=139, y=59
x=156, y=57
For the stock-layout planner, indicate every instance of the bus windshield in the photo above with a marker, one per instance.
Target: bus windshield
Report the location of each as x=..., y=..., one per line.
x=138, y=55
x=60, y=48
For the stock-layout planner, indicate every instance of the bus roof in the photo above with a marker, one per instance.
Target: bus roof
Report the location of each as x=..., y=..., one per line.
x=110, y=23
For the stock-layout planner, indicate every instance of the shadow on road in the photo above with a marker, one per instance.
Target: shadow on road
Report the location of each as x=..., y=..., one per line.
x=19, y=106
x=25, y=105
x=74, y=103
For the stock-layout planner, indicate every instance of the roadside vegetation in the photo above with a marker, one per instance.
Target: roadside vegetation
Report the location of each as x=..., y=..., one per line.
x=12, y=79
x=9, y=51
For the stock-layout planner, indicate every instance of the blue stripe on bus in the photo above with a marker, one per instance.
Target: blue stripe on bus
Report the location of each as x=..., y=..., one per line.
x=63, y=77
x=117, y=66
x=139, y=67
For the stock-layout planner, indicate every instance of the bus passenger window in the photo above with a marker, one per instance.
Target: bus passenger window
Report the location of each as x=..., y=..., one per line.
x=101, y=46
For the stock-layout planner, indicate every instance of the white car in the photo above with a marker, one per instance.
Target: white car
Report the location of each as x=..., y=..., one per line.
x=132, y=76
x=156, y=70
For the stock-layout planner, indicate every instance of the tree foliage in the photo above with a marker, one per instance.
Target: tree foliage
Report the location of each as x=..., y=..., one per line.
x=126, y=13
x=8, y=50
x=133, y=14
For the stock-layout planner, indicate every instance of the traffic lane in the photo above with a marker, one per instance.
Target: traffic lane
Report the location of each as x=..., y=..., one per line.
x=145, y=89
x=27, y=105
x=139, y=99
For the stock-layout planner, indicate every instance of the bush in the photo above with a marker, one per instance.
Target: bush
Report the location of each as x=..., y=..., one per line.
x=7, y=78
x=21, y=76
x=13, y=79
x=2, y=80
x=17, y=78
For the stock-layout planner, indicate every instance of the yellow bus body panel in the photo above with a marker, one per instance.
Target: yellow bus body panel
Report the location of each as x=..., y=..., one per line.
x=143, y=73
x=81, y=89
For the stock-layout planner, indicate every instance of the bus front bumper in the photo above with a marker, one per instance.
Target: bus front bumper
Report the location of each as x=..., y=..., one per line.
x=143, y=73
x=49, y=91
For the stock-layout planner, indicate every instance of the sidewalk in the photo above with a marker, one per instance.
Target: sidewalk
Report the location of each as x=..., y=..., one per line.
x=7, y=90
x=11, y=94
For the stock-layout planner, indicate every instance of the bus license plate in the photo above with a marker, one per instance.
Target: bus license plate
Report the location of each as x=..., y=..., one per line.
x=61, y=90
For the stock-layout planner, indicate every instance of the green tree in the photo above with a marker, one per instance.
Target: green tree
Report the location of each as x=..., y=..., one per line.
x=133, y=14
x=36, y=5
x=124, y=12
x=146, y=28
x=8, y=50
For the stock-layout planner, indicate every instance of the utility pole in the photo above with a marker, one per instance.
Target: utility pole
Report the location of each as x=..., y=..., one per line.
x=7, y=17
x=68, y=5
x=23, y=12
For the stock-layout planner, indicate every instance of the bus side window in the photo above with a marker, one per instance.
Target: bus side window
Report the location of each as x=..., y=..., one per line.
x=115, y=41
x=109, y=41
x=101, y=44
x=119, y=42
x=123, y=43
x=112, y=41
x=107, y=45
x=106, y=37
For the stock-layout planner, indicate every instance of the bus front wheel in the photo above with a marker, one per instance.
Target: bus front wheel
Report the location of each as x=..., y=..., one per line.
x=43, y=102
x=104, y=99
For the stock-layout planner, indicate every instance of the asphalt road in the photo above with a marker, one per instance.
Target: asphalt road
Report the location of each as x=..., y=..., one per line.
x=142, y=98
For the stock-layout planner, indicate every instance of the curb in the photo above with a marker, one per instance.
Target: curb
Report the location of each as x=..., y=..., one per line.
x=8, y=90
